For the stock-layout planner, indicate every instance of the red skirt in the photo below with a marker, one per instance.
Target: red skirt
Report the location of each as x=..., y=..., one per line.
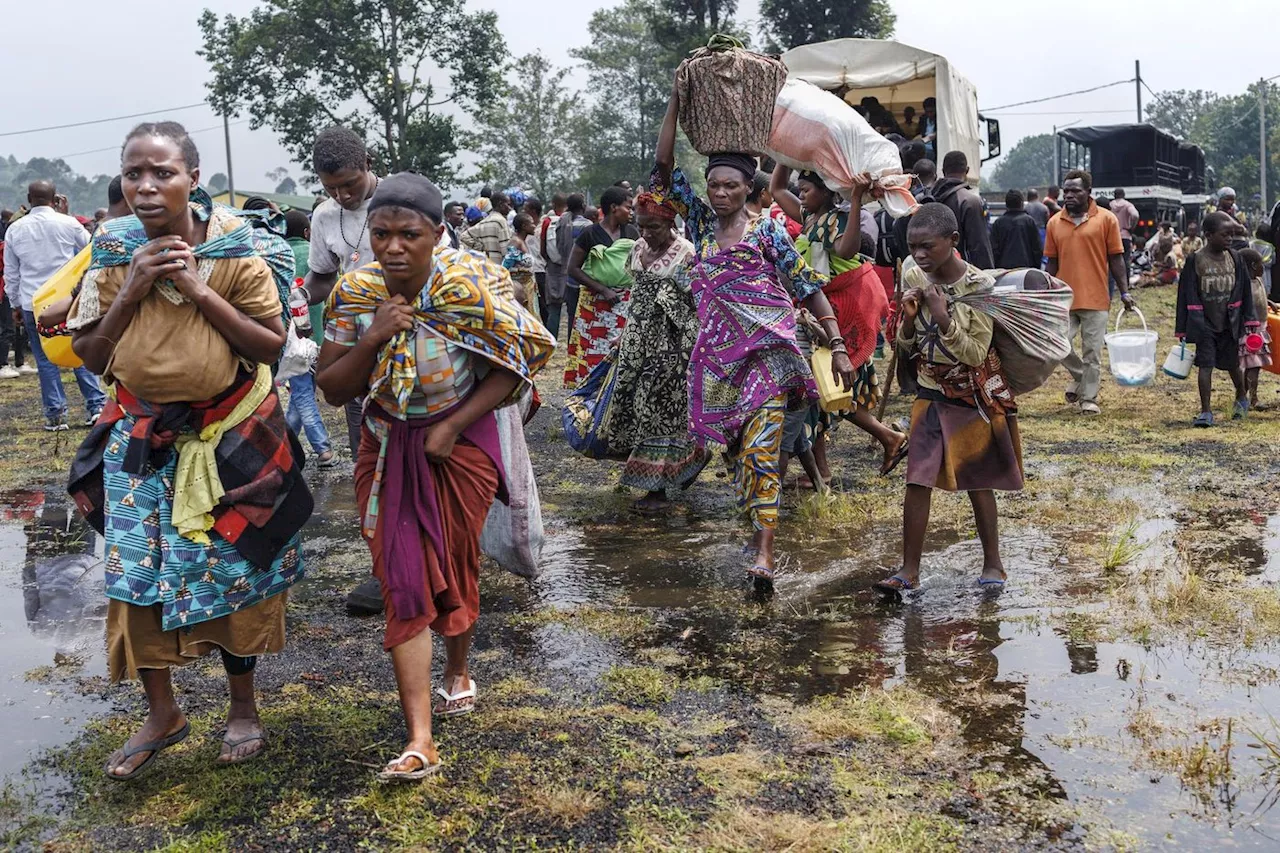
x=465, y=488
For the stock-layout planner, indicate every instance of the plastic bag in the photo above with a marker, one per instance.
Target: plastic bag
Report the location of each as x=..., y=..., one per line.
x=816, y=131
x=59, y=286
x=727, y=97
x=298, y=356
x=513, y=536
x=1032, y=314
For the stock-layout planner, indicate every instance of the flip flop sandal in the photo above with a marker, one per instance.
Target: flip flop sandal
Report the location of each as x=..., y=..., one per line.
x=895, y=586
x=892, y=462
x=232, y=744
x=1239, y=410
x=1204, y=420
x=450, y=699
x=991, y=584
x=155, y=747
x=763, y=573
x=387, y=774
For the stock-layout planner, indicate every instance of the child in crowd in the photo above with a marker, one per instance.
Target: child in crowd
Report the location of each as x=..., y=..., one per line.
x=1215, y=312
x=1251, y=361
x=964, y=427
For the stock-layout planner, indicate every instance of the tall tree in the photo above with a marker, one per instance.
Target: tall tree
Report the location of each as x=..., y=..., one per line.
x=300, y=65
x=524, y=138
x=84, y=194
x=1028, y=164
x=1177, y=110
x=288, y=186
x=791, y=23
x=218, y=182
x=1226, y=127
x=680, y=26
x=630, y=84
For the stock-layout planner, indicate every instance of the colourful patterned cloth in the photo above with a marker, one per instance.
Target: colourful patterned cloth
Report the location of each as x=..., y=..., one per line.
x=123, y=482
x=855, y=291
x=260, y=232
x=746, y=352
x=519, y=264
x=755, y=464
x=598, y=323
x=461, y=308
x=649, y=417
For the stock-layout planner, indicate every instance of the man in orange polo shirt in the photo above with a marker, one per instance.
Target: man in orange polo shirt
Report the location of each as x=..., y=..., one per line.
x=1083, y=244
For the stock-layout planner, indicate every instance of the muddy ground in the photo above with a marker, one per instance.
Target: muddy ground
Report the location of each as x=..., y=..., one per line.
x=1117, y=696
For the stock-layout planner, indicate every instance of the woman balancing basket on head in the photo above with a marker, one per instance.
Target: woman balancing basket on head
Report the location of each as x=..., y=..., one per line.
x=745, y=368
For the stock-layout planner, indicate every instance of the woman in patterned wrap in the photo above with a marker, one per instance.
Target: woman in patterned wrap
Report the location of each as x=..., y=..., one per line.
x=431, y=337
x=649, y=415
x=191, y=473
x=745, y=369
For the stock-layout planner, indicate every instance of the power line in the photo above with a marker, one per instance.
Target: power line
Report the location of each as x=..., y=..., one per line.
x=117, y=147
x=101, y=120
x=1067, y=113
x=1056, y=97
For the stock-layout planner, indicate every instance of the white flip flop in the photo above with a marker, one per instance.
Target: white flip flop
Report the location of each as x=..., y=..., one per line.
x=451, y=698
x=427, y=769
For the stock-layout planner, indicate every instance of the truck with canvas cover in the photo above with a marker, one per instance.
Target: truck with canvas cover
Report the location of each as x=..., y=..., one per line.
x=900, y=76
x=1141, y=159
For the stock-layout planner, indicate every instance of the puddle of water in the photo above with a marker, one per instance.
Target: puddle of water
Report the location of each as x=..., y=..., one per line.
x=52, y=617
x=1033, y=695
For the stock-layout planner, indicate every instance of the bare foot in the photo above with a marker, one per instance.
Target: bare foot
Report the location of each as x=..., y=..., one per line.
x=157, y=726
x=652, y=502
x=245, y=736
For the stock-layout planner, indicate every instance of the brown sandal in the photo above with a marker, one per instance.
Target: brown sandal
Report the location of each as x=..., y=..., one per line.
x=893, y=458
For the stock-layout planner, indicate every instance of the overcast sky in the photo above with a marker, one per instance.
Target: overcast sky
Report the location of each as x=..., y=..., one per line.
x=92, y=61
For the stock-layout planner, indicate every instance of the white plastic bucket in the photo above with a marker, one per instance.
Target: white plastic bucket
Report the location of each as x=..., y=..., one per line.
x=1180, y=362
x=1132, y=353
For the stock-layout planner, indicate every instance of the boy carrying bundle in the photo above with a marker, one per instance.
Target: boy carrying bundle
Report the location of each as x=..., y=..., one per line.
x=964, y=429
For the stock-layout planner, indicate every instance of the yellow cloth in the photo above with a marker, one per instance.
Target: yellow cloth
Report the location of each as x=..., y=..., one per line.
x=197, y=488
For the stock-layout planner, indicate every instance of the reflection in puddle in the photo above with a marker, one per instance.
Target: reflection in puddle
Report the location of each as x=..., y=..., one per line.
x=52, y=616
x=1037, y=689
x=1099, y=724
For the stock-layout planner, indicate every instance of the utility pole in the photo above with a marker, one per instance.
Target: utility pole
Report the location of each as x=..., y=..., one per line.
x=1262, y=144
x=1137, y=85
x=1057, y=157
x=231, y=174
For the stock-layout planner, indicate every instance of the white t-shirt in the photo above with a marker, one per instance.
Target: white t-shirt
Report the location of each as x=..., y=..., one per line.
x=339, y=238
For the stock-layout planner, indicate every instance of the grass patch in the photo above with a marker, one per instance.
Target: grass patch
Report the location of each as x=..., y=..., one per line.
x=1123, y=547
x=638, y=685
x=614, y=624
x=901, y=716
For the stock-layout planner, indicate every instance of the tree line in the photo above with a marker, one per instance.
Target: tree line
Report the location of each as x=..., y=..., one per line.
x=426, y=80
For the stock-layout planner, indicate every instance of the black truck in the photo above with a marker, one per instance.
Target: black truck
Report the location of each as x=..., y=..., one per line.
x=1161, y=176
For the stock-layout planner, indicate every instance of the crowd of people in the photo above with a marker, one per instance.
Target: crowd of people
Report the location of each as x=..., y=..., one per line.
x=694, y=324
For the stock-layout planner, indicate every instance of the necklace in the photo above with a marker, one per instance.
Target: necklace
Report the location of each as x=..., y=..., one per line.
x=355, y=247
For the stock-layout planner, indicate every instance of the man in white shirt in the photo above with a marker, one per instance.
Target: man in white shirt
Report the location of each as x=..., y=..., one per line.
x=340, y=244
x=340, y=227
x=36, y=247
